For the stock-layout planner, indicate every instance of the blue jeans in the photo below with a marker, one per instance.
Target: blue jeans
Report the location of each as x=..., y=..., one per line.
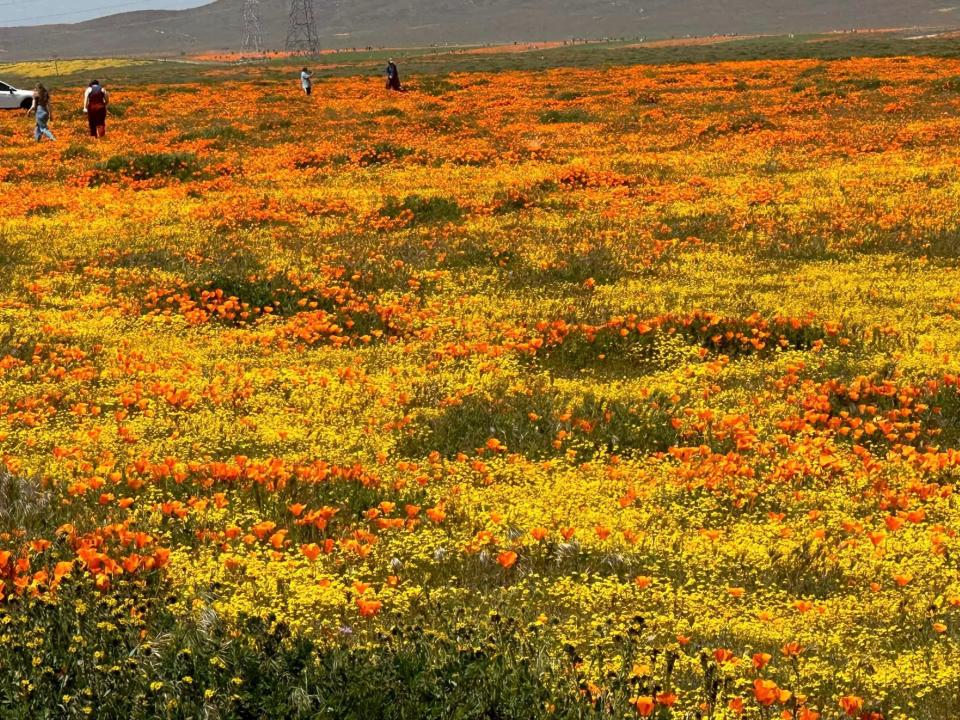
x=42, y=130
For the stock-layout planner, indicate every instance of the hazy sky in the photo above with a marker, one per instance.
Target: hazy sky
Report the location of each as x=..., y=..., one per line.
x=43, y=12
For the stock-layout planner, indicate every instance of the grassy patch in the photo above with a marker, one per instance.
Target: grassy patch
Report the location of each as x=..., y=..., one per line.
x=573, y=115
x=221, y=134
x=172, y=166
x=425, y=210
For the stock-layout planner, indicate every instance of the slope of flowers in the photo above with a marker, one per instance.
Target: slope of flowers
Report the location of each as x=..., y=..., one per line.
x=585, y=393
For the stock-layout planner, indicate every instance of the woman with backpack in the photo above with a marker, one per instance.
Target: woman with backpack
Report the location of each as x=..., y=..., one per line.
x=41, y=108
x=95, y=101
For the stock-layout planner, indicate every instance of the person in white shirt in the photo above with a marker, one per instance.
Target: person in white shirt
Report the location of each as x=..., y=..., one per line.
x=306, y=81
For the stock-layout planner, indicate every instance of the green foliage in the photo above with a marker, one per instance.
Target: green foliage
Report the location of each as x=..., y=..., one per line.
x=425, y=210
x=383, y=152
x=74, y=659
x=436, y=86
x=118, y=109
x=746, y=123
x=865, y=83
x=950, y=84
x=176, y=166
x=23, y=503
x=75, y=151
x=274, y=123
x=528, y=419
x=223, y=134
x=573, y=115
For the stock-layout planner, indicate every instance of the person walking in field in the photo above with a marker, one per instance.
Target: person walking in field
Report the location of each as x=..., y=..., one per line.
x=95, y=101
x=306, y=81
x=41, y=109
x=393, y=76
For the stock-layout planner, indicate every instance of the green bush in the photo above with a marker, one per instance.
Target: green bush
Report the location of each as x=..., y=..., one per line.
x=574, y=115
x=118, y=109
x=73, y=152
x=382, y=153
x=950, y=84
x=277, y=123
x=425, y=210
x=179, y=166
x=436, y=86
x=527, y=421
x=221, y=133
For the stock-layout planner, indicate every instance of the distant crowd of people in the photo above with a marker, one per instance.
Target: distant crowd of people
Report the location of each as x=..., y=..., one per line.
x=96, y=100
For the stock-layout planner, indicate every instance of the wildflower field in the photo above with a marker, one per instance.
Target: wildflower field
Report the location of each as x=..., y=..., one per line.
x=578, y=393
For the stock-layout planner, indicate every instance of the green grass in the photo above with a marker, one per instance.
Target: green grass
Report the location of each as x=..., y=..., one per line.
x=180, y=166
x=424, y=70
x=425, y=210
x=573, y=115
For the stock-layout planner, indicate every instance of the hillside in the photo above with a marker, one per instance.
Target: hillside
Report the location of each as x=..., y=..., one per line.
x=359, y=23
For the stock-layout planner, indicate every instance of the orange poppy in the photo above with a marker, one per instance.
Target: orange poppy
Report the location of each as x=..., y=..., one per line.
x=278, y=538
x=902, y=579
x=722, y=655
x=767, y=692
x=667, y=699
x=644, y=705
x=368, y=608
x=792, y=649
x=311, y=551
x=851, y=704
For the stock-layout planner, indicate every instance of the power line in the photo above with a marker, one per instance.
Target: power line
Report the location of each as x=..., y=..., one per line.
x=302, y=33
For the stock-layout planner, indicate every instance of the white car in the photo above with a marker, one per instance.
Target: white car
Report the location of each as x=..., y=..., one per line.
x=12, y=99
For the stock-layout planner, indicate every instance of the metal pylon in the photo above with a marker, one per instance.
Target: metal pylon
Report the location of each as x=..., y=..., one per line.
x=252, y=30
x=302, y=34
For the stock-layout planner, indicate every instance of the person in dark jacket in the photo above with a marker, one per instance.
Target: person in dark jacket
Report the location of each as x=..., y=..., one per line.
x=393, y=76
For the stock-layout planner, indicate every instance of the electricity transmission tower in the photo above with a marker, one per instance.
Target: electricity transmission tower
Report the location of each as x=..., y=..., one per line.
x=302, y=33
x=252, y=31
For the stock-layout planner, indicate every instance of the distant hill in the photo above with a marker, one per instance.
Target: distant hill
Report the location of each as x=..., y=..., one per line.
x=360, y=23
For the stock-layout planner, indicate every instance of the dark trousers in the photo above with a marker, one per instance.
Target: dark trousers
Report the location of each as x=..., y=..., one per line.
x=97, y=117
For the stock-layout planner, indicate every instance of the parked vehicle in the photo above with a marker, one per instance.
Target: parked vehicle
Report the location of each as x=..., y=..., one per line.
x=12, y=99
